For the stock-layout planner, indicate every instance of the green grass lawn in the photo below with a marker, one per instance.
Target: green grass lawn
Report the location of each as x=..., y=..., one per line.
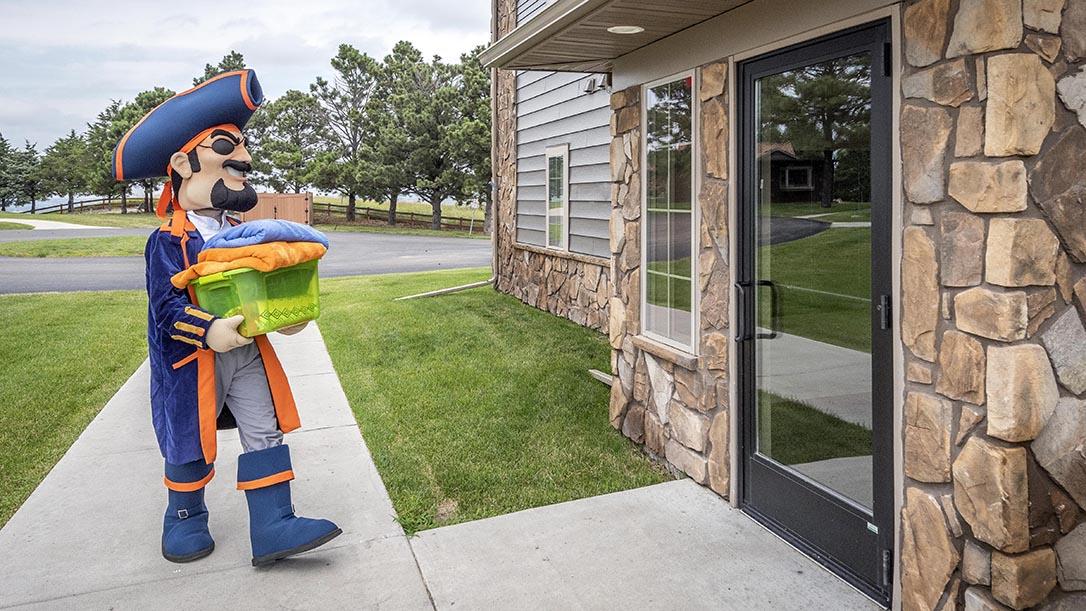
x=473, y=404
x=447, y=210
x=7, y=225
x=799, y=433
x=791, y=209
x=120, y=246
x=63, y=356
x=837, y=264
x=93, y=219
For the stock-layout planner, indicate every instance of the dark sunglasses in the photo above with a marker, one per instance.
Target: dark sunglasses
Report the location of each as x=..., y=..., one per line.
x=223, y=146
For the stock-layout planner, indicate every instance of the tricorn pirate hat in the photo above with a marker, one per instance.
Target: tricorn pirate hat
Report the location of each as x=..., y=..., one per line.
x=227, y=99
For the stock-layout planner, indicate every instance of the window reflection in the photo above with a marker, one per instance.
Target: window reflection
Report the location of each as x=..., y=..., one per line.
x=669, y=210
x=813, y=267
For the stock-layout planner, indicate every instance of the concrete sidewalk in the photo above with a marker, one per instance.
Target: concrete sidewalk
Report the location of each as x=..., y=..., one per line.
x=88, y=537
x=674, y=545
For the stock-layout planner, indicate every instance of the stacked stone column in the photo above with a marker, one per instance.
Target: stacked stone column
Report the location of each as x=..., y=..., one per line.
x=994, y=247
x=674, y=403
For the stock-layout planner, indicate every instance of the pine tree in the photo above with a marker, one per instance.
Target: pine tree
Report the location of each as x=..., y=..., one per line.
x=230, y=62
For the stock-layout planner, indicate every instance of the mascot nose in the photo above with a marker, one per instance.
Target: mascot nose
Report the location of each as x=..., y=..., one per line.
x=241, y=166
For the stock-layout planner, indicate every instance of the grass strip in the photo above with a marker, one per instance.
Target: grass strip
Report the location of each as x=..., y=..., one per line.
x=474, y=404
x=118, y=246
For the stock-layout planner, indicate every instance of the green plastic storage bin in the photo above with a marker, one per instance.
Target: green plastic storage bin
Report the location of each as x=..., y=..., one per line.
x=268, y=300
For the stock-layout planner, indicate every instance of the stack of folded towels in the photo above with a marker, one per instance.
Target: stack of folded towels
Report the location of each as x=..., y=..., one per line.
x=265, y=246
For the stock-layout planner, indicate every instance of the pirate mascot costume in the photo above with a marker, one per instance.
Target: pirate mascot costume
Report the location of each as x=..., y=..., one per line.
x=204, y=374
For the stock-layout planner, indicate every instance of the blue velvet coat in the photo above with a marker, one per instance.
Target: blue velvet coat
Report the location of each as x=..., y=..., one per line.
x=183, y=401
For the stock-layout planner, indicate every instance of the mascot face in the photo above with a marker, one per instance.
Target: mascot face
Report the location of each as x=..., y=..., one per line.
x=214, y=175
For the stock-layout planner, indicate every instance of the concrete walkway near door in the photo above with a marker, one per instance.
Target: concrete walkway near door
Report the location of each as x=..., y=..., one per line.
x=88, y=537
x=674, y=545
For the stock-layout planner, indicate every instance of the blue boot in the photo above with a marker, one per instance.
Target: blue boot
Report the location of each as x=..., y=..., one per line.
x=274, y=531
x=185, y=536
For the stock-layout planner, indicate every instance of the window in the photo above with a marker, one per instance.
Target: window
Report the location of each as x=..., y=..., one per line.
x=797, y=178
x=557, y=195
x=669, y=212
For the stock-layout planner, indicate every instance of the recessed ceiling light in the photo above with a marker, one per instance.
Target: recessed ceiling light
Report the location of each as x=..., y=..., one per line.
x=625, y=29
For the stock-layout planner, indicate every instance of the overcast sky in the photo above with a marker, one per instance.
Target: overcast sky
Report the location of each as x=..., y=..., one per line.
x=62, y=61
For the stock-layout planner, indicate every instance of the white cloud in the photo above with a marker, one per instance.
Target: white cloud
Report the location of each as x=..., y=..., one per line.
x=62, y=61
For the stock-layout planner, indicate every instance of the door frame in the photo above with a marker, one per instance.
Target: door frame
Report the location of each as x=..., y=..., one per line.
x=886, y=247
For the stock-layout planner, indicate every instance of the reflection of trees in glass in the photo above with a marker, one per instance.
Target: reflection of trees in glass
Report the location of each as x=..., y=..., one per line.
x=669, y=114
x=824, y=111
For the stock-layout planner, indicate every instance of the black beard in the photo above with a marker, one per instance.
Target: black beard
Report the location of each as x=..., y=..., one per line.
x=223, y=198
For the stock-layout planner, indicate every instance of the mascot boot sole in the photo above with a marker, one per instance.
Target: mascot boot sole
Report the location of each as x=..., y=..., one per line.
x=305, y=547
x=189, y=557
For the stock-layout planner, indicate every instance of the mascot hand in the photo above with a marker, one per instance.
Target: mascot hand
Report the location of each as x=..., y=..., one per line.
x=223, y=336
x=291, y=330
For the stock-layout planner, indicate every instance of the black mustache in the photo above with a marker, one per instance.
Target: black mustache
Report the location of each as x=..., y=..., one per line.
x=225, y=198
x=241, y=166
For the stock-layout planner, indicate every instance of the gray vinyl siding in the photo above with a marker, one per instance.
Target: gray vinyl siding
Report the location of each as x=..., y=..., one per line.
x=553, y=109
x=527, y=8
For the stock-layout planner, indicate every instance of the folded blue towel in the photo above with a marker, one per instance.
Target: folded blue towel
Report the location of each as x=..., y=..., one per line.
x=263, y=231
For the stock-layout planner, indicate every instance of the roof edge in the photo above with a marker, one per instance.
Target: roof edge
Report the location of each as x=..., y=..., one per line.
x=548, y=22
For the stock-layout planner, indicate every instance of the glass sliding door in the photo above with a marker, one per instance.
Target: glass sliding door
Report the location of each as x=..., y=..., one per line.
x=814, y=337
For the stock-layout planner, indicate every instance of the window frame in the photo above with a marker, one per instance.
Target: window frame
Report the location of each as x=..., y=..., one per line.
x=807, y=185
x=695, y=213
x=552, y=152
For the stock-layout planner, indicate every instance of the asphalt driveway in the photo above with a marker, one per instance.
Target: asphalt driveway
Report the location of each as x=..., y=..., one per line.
x=350, y=254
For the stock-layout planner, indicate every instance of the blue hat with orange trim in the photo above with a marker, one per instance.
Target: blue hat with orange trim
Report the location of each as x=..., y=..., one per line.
x=228, y=99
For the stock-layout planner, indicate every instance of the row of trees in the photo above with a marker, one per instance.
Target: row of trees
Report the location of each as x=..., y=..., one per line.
x=379, y=129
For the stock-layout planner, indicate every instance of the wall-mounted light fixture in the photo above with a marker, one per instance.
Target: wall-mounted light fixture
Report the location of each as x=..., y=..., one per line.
x=625, y=29
x=594, y=84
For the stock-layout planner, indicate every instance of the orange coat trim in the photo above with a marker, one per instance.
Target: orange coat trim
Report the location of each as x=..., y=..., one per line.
x=189, y=486
x=185, y=361
x=286, y=411
x=264, y=482
x=207, y=403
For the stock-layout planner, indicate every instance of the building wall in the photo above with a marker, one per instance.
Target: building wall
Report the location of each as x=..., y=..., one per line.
x=553, y=109
x=527, y=8
x=992, y=292
x=992, y=289
x=536, y=110
x=992, y=272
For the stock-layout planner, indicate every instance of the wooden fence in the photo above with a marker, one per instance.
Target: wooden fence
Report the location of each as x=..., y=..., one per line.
x=330, y=210
x=88, y=204
x=402, y=218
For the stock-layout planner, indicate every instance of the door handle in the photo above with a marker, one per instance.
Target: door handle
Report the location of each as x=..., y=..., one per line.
x=741, y=332
x=774, y=310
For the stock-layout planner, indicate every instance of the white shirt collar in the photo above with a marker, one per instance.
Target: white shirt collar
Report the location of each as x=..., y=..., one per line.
x=208, y=226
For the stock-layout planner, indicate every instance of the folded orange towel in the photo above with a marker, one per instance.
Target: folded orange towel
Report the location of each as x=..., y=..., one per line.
x=261, y=257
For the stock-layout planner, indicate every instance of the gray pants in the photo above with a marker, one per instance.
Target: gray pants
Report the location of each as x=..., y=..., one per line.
x=241, y=383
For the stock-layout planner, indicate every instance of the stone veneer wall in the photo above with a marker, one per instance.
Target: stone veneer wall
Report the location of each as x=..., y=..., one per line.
x=994, y=168
x=675, y=404
x=565, y=284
